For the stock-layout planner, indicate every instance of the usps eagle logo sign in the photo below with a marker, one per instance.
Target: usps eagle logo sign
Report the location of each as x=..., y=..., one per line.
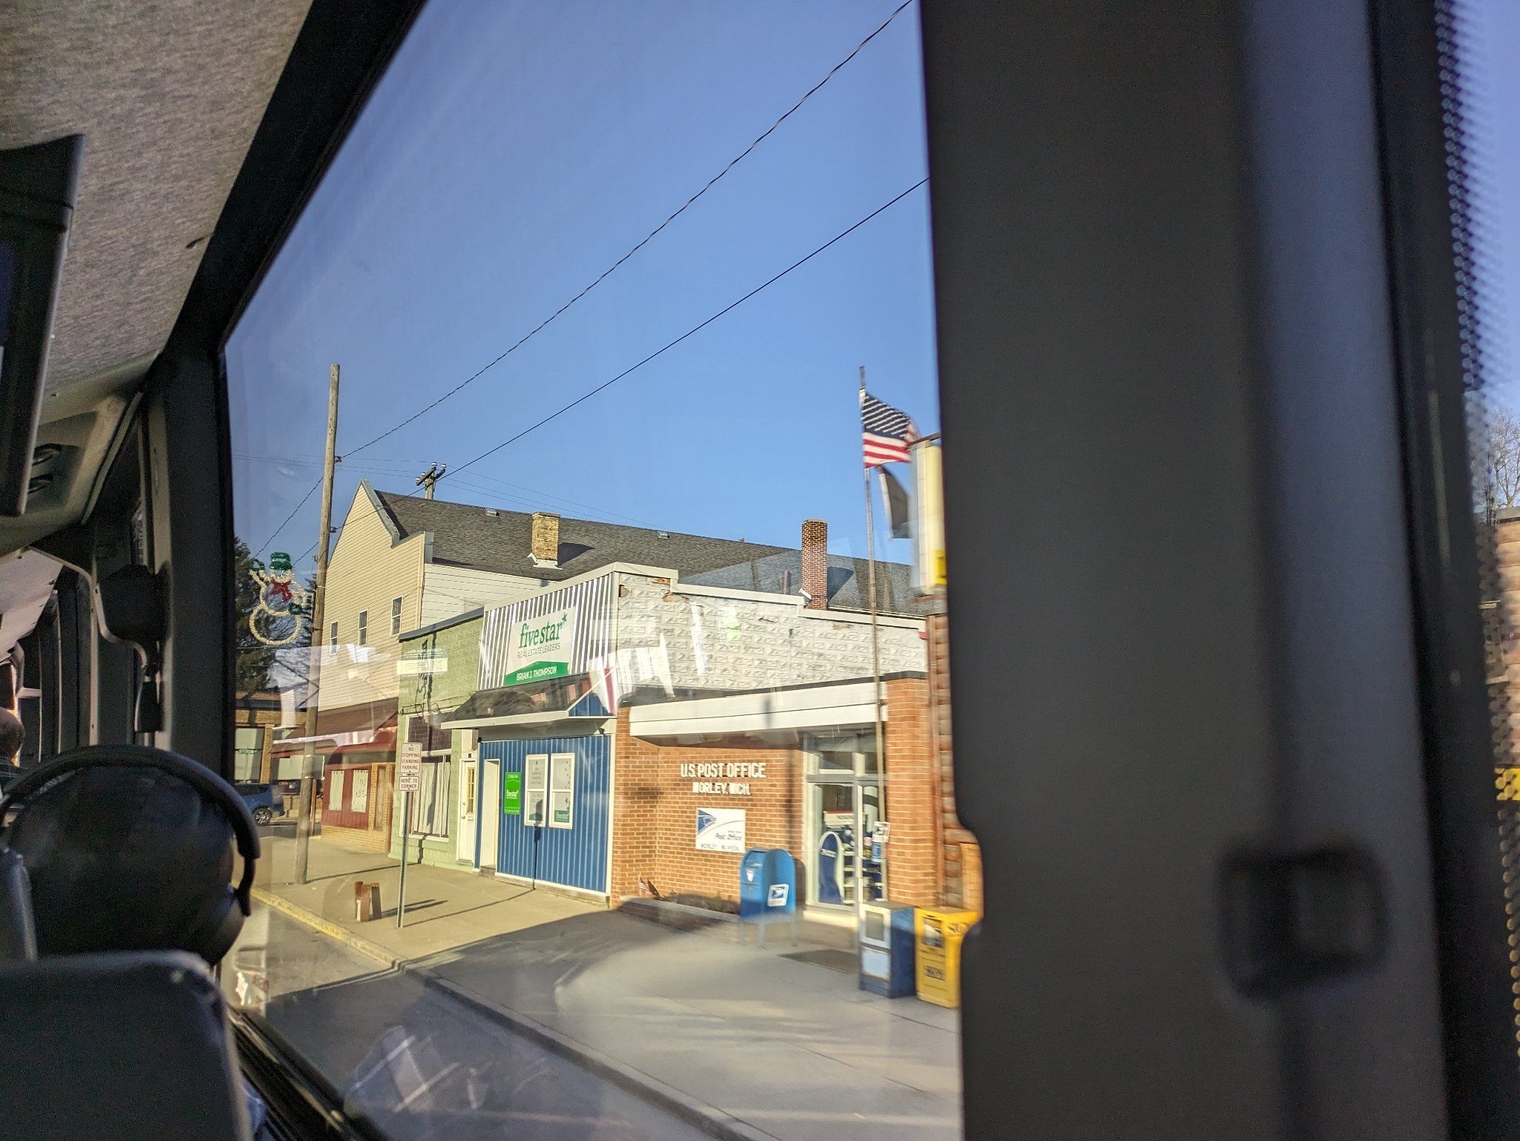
x=720, y=830
x=283, y=602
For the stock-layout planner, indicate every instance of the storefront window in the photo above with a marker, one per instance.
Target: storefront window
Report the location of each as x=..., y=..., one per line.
x=562, y=790
x=535, y=809
x=855, y=754
x=250, y=749
x=430, y=803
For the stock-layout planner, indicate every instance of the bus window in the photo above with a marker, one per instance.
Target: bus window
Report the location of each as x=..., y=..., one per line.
x=603, y=362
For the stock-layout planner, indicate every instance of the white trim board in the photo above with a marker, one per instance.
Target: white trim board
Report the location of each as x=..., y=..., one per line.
x=812, y=707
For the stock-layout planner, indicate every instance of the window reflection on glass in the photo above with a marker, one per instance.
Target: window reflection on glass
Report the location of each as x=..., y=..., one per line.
x=664, y=570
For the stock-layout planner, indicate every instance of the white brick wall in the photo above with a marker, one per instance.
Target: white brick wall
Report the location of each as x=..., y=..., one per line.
x=709, y=642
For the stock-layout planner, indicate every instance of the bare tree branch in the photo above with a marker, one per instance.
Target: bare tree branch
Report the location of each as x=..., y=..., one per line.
x=1501, y=459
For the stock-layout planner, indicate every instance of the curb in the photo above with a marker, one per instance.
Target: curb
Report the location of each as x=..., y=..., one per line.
x=684, y=917
x=327, y=927
x=709, y=1119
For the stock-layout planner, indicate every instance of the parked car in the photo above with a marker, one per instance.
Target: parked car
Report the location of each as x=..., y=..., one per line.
x=265, y=801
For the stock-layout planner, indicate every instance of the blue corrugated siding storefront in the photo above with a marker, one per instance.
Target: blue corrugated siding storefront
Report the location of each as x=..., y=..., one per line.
x=574, y=856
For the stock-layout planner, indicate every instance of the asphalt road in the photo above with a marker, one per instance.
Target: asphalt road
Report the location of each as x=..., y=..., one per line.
x=419, y=1064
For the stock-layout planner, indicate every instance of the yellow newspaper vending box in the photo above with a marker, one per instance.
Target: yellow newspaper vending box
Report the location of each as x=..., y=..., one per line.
x=938, y=935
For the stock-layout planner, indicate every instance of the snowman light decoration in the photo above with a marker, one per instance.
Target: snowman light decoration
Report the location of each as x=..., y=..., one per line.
x=276, y=620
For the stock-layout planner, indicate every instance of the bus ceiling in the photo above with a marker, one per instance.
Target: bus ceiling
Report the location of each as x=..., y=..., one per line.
x=122, y=130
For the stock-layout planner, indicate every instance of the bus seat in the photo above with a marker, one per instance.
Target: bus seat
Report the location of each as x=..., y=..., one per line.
x=18, y=934
x=131, y=1046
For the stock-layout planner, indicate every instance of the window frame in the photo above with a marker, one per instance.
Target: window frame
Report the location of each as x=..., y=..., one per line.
x=1192, y=606
x=1097, y=86
x=556, y=789
x=529, y=820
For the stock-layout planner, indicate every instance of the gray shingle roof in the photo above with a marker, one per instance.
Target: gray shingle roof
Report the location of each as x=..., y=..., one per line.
x=466, y=535
x=781, y=573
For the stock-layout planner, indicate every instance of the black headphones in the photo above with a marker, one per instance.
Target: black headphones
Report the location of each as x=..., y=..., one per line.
x=214, y=925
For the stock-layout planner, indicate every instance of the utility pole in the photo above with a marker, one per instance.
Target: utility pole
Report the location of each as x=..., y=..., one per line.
x=428, y=478
x=313, y=668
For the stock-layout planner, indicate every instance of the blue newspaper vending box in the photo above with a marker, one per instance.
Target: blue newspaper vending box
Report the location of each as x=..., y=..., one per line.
x=767, y=889
x=887, y=950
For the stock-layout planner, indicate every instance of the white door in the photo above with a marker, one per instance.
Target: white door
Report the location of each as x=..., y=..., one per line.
x=469, y=772
x=490, y=812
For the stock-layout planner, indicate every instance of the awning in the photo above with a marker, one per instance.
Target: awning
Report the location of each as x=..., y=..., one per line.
x=365, y=716
x=775, y=713
x=327, y=737
x=562, y=699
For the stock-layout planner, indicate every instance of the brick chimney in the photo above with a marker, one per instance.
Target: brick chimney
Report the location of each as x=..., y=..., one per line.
x=815, y=563
x=545, y=546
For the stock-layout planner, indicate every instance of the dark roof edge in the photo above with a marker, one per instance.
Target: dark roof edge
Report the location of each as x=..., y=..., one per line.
x=703, y=695
x=381, y=509
x=457, y=620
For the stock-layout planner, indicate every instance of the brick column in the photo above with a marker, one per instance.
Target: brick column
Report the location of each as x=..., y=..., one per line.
x=912, y=795
x=961, y=858
x=635, y=807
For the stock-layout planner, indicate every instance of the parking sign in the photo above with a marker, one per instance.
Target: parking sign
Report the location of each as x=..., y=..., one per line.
x=409, y=770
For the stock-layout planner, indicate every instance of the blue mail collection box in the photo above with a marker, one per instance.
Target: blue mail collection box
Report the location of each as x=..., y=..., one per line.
x=887, y=949
x=767, y=889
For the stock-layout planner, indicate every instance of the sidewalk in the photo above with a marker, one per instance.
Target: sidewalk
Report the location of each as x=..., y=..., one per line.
x=753, y=1042
x=445, y=909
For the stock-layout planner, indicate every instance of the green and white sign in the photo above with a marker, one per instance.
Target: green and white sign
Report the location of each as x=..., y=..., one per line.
x=540, y=648
x=537, y=671
x=511, y=794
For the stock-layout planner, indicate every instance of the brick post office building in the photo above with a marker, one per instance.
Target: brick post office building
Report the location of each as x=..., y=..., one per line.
x=640, y=728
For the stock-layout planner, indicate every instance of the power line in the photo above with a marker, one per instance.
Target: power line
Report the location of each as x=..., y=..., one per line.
x=531, y=497
x=531, y=492
x=642, y=243
x=690, y=332
x=585, y=396
x=610, y=270
x=288, y=518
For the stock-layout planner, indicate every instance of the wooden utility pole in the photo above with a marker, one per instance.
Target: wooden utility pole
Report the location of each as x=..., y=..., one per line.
x=428, y=478
x=305, y=805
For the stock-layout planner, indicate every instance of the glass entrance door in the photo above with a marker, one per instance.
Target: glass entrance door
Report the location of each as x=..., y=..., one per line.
x=844, y=806
x=831, y=878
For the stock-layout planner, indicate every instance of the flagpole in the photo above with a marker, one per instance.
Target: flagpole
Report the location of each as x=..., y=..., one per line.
x=881, y=767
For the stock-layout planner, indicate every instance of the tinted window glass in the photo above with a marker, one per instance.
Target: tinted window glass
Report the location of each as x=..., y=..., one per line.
x=628, y=326
x=1479, y=37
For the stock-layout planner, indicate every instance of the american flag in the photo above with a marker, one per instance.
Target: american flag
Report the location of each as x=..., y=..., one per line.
x=888, y=431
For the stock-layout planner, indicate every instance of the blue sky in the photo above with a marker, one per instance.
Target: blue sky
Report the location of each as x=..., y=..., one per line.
x=511, y=154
